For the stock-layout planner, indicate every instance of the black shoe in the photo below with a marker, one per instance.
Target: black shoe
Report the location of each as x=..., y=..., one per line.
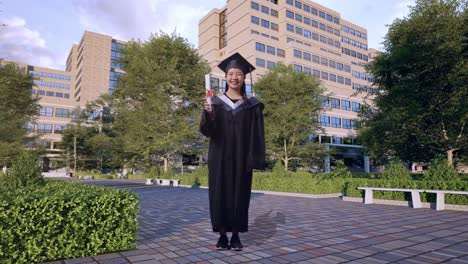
x=235, y=243
x=222, y=242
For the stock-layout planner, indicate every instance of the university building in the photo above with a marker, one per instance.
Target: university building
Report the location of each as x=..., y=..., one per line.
x=92, y=70
x=315, y=40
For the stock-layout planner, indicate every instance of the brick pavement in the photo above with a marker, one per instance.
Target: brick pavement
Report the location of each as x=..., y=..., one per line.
x=175, y=228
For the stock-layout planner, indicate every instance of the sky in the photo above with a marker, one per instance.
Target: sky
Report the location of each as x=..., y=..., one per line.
x=41, y=33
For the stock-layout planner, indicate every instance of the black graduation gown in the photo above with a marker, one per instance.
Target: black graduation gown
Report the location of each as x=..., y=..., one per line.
x=237, y=146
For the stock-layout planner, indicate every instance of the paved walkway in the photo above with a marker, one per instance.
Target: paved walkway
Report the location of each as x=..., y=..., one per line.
x=175, y=229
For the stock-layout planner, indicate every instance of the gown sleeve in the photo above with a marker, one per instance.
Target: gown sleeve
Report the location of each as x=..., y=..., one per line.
x=207, y=123
x=256, y=155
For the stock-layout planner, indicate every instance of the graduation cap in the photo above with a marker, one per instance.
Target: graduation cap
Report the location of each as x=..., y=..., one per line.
x=238, y=62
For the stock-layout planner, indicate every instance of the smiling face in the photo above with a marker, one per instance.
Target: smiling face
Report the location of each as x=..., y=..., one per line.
x=235, y=78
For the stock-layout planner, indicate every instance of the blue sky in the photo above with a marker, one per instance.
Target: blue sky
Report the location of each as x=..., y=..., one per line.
x=42, y=32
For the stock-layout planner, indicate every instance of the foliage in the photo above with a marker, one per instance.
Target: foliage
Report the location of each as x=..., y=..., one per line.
x=65, y=220
x=17, y=109
x=288, y=123
x=396, y=170
x=440, y=170
x=421, y=109
x=158, y=100
x=26, y=171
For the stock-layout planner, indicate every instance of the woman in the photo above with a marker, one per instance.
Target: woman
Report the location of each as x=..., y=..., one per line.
x=234, y=124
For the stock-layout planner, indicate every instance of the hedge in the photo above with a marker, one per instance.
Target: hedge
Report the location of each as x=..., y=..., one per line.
x=65, y=220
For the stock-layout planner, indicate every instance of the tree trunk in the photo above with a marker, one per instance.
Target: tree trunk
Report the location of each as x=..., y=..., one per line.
x=182, y=164
x=286, y=158
x=450, y=156
x=165, y=164
x=74, y=156
x=5, y=168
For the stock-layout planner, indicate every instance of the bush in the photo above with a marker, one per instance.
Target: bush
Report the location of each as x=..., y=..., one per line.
x=26, y=170
x=279, y=169
x=440, y=170
x=396, y=170
x=65, y=220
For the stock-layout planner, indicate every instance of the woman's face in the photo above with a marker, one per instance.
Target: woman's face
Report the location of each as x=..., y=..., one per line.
x=235, y=78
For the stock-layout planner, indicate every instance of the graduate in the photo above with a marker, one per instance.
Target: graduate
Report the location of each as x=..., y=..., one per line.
x=234, y=123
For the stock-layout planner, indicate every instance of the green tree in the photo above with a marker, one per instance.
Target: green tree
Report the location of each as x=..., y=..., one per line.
x=17, y=108
x=158, y=100
x=421, y=110
x=292, y=103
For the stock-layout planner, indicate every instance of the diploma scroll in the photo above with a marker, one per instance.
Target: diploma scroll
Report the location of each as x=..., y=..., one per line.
x=209, y=92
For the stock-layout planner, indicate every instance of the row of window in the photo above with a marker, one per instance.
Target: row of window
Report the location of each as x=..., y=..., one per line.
x=323, y=75
x=52, y=85
x=355, y=54
x=354, y=43
x=360, y=75
x=322, y=139
x=265, y=23
x=337, y=122
x=313, y=23
x=289, y=39
x=313, y=11
x=364, y=88
x=269, y=49
x=354, y=32
x=264, y=9
x=46, y=128
x=215, y=85
x=116, y=54
x=329, y=102
x=59, y=112
x=50, y=75
x=311, y=35
x=321, y=60
x=114, y=76
x=263, y=35
x=264, y=64
x=50, y=93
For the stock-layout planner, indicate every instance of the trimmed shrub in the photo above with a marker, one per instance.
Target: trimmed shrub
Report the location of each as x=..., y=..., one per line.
x=26, y=170
x=440, y=170
x=65, y=220
x=396, y=170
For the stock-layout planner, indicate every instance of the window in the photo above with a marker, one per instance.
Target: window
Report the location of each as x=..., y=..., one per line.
x=351, y=31
x=325, y=121
x=348, y=81
x=336, y=122
x=274, y=26
x=331, y=64
x=322, y=14
x=290, y=27
x=67, y=87
x=297, y=68
x=271, y=50
x=298, y=17
x=59, y=112
x=330, y=42
x=49, y=93
x=316, y=73
x=30, y=127
x=306, y=8
x=339, y=66
x=260, y=63
x=51, y=84
x=289, y=40
x=307, y=70
x=51, y=75
x=298, y=4
x=336, y=32
x=274, y=13
x=313, y=11
x=40, y=92
x=265, y=23
x=265, y=10
x=356, y=107
x=324, y=75
x=59, y=129
x=332, y=77
x=347, y=68
x=280, y=53
x=340, y=79
x=336, y=20
x=307, y=56
x=364, y=36
x=46, y=111
x=356, y=74
x=307, y=34
x=260, y=47
x=315, y=36
x=289, y=14
x=298, y=54
x=324, y=62
x=60, y=95
x=335, y=103
x=44, y=128
x=255, y=20
x=358, y=34
x=346, y=123
x=325, y=101
x=322, y=27
x=316, y=58
x=299, y=31
x=270, y=65
x=337, y=44
x=323, y=39
x=346, y=105
x=60, y=76
x=255, y=6
x=314, y=24
x=289, y=2
x=329, y=29
x=329, y=18
x=345, y=29
x=68, y=78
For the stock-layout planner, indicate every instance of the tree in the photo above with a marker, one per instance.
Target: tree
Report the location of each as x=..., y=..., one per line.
x=292, y=102
x=421, y=110
x=17, y=108
x=158, y=100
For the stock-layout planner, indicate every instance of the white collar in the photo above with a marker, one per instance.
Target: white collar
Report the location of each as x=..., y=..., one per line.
x=228, y=101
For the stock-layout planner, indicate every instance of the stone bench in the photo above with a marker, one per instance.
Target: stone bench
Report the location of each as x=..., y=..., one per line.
x=167, y=182
x=440, y=202
x=369, y=198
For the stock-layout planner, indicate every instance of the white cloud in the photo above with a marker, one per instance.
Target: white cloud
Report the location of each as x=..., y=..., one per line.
x=21, y=44
x=125, y=19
